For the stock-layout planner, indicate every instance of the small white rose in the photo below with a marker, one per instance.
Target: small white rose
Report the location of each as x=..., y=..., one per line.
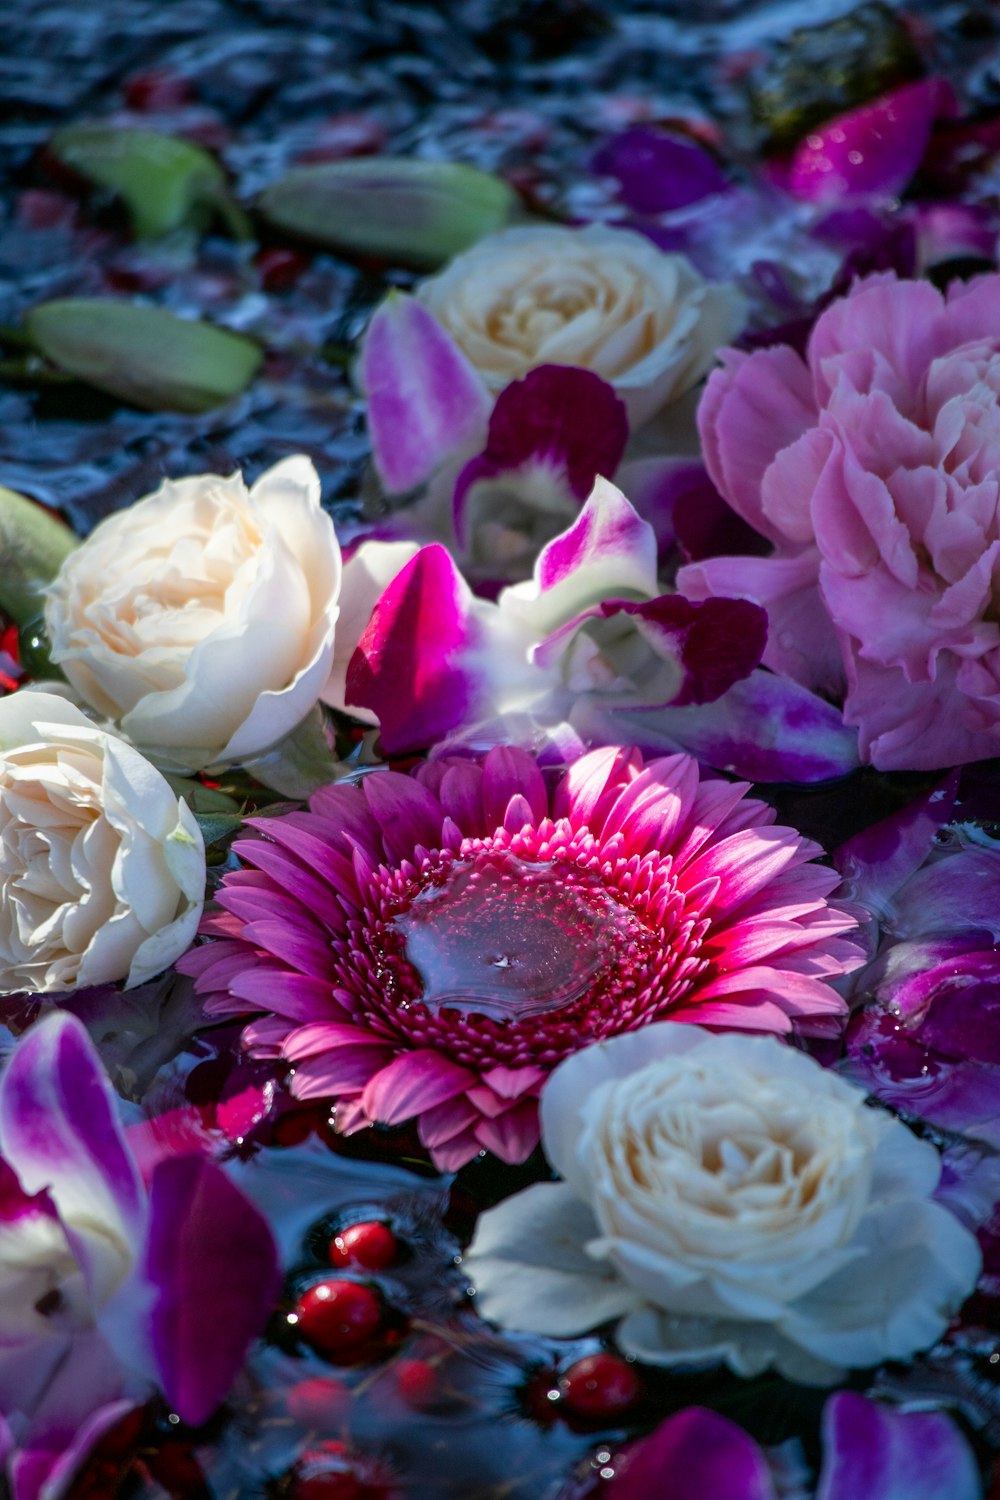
x=735, y=1201
x=602, y=298
x=201, y=619
x=102, y=868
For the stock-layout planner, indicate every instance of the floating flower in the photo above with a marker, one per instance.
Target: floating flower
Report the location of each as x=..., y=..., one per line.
x=870, y=1452
x=590, y=639
x=107, y=1285
x=102, y=867
x=429, y=946
x=729, y=1200
x=872, y=468
x=201, y=619
x=602, y=298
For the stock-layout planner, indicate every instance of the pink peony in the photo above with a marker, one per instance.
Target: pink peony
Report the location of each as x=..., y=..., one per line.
x=430, y=945
x=873, y=466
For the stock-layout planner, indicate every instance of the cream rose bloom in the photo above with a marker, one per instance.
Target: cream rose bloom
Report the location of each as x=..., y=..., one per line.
x=102, y=869
x=605, y=299
x=730, y=1200
x=201, y=619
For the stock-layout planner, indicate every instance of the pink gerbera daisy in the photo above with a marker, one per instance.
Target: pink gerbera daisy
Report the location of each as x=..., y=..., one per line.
x=430, y=945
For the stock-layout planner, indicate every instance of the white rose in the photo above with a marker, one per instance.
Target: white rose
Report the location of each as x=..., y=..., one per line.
x=102, y=869
x=736, y=1202
x=201, y=619
x=605, y=299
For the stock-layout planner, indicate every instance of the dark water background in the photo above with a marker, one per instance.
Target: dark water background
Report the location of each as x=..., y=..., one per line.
x=526, y=89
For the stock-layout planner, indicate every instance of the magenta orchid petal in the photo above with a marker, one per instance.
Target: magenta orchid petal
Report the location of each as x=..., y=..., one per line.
x=197, y=1217
x=694, y=1455
x=871, y=1452
x=877, y=862
x=511, y=915
x=873, y=149
x=59, y=1131
x=425, y=400
x=414, y=664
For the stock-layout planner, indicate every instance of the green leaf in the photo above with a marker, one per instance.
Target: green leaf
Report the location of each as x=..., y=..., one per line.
x=33, y=546
x=217, y=826
x=302, y=762
x=144, y=355
x=165, y=183
x=404, y=209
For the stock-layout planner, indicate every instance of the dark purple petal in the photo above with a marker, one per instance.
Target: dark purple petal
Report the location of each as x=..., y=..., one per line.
x=873, y=149
x=413, y=666
x=695, y=1455
x=59, y=1130
x=716, y=641
x=559, y=417
x=656, y=171
x=212, y=1266
x=871, y=1452
x=425, y=400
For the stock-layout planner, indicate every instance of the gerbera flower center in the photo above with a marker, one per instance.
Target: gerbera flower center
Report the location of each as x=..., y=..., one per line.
x=510, y=937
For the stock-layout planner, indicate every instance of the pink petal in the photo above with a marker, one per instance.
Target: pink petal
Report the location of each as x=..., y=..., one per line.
x=412, y=1083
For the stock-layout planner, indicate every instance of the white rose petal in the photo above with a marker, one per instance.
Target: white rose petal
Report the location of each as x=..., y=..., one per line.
x=756, y=1207
x=102, y=868
x=602, y=298
x=201, y=619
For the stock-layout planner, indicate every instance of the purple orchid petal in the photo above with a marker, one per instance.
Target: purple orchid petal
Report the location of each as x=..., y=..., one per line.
x=425, y=400
x=413, y=667
x=946, y=231
x=656, y=171
x=765, y=728
x=684, y=508
x=871, y=1452
x=59, y=1130
x=695, y=1455
x=212, y=1265
x=873, y=149
x=877, y=861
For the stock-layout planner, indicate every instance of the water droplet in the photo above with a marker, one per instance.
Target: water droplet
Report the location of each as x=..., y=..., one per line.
x=506, y=937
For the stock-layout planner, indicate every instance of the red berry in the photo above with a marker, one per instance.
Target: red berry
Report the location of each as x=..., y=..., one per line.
x=371, y=1244
x=338, y=1315
x=319, y=1401
x=416, y=1382
x=599, y=1386
x=157, y=89
x=280, y=269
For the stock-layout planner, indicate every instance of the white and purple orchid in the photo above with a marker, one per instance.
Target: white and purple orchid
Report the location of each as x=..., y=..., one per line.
x=501, y=478
x=590, y=641
x=107, y=1283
